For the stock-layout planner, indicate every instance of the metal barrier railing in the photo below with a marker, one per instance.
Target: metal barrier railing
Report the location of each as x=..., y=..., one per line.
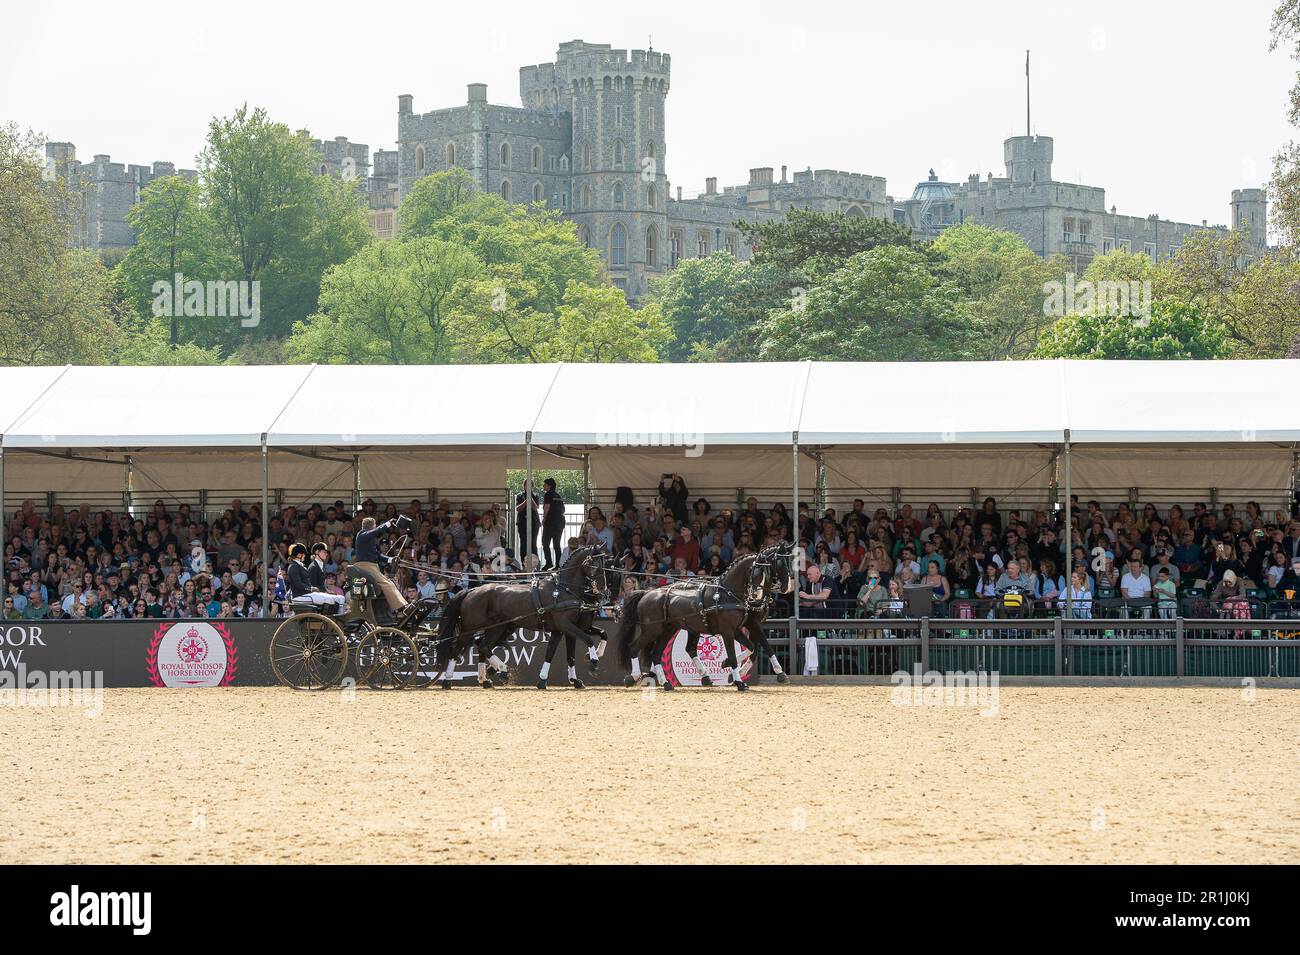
x=1156, y=647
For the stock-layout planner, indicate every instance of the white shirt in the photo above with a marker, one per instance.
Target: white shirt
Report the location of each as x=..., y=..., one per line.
x=1135, y=588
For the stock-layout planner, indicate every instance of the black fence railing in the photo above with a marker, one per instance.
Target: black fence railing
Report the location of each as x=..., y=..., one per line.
x=1110, y=647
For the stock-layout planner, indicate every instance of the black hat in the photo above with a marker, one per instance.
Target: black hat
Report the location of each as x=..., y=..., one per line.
x=297, y=550
x=319, y=545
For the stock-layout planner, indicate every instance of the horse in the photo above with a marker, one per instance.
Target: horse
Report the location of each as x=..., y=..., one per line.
x=651, y=618
x=559, y=601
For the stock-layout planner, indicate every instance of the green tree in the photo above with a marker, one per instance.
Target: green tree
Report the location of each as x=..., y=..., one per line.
x=495, y=322
x=283, y=224
x=387, y=304
x=433, y=199
x=54, y=301
x=886, y=304
x=1172, y=331
x=1002, y=285
x=716, y=305
x=175, y=235
x=817, y=243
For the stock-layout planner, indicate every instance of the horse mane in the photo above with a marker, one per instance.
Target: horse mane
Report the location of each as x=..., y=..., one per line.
x=731, y=578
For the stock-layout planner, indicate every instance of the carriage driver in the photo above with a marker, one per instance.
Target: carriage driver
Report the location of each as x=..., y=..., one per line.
x=302, y=588
x=366, y=556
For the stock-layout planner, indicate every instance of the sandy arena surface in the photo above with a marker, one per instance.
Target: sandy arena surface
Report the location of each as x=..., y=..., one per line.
x=784, y=774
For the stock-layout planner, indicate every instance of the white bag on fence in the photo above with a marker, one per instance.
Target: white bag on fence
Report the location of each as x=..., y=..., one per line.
x=810, y=655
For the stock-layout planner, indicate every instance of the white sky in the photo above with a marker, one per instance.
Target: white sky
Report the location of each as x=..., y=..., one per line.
x=1167, y=105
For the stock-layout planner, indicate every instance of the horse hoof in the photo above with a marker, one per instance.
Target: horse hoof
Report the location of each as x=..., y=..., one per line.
x=445, y=684
x=577, y=684
x=487, y=684
x=742, y=686
x=501, y=677
x=667, y=685
x=541, y=684
x=782, y=678
x=704, y=680
x=593, y=666
x=629, y=681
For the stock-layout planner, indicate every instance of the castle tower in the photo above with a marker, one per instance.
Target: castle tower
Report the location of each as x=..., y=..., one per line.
x=1250, y=215
x=618, y=193
x=1029, y=159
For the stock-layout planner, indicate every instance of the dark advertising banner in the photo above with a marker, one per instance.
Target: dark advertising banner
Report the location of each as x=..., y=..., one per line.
x=216, y=653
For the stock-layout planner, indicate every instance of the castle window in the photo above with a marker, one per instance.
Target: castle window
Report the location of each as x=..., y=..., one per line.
x=674, y=248
x=586, y=157
x=650, y=197
x=650, y=149
x=505, y=189
x=537, y=158
x=451, y=155
x=618, y=154
x=618, y=115
x=651, y=246
x=537, y=192
x=419, y=159
x=586, y=199
x=322, y=169
x=585, y=235
x=618, y=195
x=564, y=163
x=505, y=155
x=1150, y=249
x=618, y=245
x=618, y=84
x=702, y=245
x=731, y=244
x=651, y=121
x=1107, y=245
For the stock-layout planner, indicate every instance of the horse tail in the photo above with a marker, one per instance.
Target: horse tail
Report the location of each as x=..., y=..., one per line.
x=627, y=627
x=450, y=623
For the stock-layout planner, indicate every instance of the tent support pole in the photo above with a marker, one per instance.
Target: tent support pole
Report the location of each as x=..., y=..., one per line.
x=586, y=485
x=356, y=483
x=526, y=544
x=794, y=518
x=1069, y=525
x=4, y=528
x=130, y=479
x=266, y=529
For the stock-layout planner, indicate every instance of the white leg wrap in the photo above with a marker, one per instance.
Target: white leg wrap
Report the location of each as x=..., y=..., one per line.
x=636, y=668
x=573, y=673
x=497, y=663
x=546, y=669
x=699, y=665
x=776, y=665
x=600, y=647
x=482, y=672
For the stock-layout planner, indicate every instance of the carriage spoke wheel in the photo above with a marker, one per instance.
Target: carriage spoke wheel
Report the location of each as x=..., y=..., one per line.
x=387, y=659
x=309, y=652
x=426, y=663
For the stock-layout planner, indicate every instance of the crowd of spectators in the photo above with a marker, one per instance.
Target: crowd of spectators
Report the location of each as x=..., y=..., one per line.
x=167, y=563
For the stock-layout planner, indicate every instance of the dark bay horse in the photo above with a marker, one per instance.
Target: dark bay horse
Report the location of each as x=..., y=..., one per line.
x=651, y=618
x=562, y=602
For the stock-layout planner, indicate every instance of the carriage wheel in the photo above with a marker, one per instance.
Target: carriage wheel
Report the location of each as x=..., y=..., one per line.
x=309, y=652
x=387, y=659
x=426, y=666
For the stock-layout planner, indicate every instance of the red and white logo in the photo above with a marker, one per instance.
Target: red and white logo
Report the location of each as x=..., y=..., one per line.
x=192, y=654
x=680, y=668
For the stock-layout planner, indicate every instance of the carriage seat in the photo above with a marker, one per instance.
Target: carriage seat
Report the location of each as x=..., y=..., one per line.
x=305, y=605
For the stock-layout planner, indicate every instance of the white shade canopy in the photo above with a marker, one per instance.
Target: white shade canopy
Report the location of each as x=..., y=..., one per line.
x=616, y=405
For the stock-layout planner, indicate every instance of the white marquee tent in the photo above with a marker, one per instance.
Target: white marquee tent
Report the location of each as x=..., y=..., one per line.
x=1177, y=429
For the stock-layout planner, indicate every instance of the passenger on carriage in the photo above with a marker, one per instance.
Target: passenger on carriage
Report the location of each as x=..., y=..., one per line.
x=304, y=589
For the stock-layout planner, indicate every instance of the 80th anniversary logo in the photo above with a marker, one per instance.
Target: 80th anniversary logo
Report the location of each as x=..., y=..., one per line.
x=192, y=654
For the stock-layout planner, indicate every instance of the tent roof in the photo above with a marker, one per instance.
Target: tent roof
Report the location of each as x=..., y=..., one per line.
x=627, y=405
x=413, y=406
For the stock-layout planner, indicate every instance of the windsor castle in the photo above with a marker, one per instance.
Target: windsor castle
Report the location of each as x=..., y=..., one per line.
x=589, y=141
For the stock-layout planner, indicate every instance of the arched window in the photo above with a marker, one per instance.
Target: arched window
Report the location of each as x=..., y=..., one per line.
x=537, y=158
x=505, y=155
x=651, y=246
x=419, y=158
x=618, y=154
x=505, y=189
x=451, y=154
x=586, y=199
x=650, y=197
x=618, y=195
x=537, y=192
x=618, y=245
x=586, y=236
x=650, y=149
x=564, y=163
x=702, y=244
x=586, y=157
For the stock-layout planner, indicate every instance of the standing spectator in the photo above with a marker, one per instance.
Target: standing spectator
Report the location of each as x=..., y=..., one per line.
x=527, y=519
x=552, y=524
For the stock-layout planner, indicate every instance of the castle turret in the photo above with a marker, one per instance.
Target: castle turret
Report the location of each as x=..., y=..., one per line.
x=1250, y=215
x=1029, y=159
